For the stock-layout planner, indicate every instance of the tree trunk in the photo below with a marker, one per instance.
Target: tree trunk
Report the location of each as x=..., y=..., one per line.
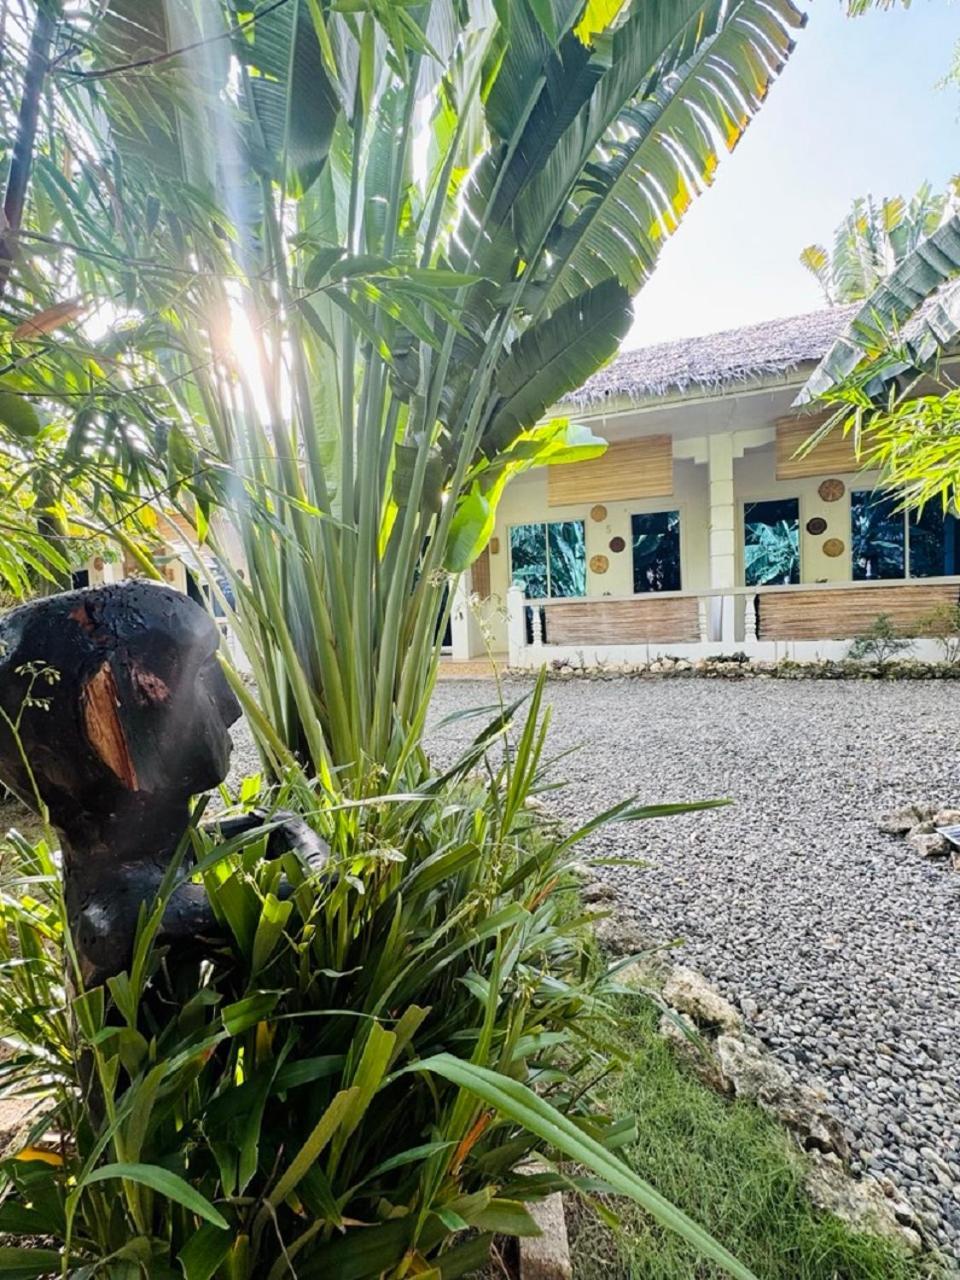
x=22, y=161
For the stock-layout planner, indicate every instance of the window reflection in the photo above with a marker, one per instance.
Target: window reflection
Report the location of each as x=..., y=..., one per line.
x=549, y=559
x=771, y=542
x=656, y=551
x=934, y=538
x=877, y=536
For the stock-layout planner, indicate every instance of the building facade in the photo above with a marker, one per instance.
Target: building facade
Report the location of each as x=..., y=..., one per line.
x=706, y=527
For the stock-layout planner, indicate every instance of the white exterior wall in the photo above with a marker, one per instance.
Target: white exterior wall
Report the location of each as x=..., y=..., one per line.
x=525, y=502
x=755, y=481
x=710, y=495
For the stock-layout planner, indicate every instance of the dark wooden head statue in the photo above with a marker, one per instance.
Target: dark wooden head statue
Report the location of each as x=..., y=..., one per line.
x=134, y=725
x=139, y=717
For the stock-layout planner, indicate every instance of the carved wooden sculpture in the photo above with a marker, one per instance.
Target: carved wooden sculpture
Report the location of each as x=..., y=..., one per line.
x=135, y=724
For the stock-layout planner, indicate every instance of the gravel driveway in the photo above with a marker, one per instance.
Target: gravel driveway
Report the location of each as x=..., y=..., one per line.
x=839, y=943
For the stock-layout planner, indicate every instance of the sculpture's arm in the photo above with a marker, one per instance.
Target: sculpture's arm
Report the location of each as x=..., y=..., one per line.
x=289, y=834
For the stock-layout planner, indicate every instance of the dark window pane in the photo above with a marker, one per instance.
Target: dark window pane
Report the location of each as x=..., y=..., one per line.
x=656, y=551
x=528, y=559
x=771, y=542
x=933, y=542
x=876, y=536
x=568, y=558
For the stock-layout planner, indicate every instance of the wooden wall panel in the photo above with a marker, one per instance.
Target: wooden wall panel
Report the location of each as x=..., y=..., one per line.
x=832, y=455
x=648, y=619
x=629, y=469
x=480, y=574
x=842, y=613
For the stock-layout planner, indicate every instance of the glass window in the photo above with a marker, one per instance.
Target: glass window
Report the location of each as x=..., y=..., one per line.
x=877, y=536
x=934, y=542
x=567, y=558
x=528, y=559
x=656, y=551
x=549, y=559
x=771, y=542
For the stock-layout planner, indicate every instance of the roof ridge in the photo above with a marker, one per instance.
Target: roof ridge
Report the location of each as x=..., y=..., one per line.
x=715, y=361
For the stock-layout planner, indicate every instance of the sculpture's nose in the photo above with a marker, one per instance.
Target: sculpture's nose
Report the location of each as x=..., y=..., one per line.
x=220, y=693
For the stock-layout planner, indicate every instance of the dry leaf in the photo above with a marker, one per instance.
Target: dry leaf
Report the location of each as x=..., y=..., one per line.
x=49, y=319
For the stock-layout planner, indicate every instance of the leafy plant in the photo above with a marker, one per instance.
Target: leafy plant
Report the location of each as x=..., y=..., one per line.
x=880, y=643
x=872, y=240
x=351, y=1084
x=358, y=251
x=943, y=625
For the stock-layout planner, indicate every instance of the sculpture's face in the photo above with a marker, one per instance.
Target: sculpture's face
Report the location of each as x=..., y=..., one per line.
x=140, y=705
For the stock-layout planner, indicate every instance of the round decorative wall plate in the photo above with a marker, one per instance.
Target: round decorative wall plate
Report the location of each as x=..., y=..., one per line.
x=598, y=513
x=832, y=490
x=599, y=564
x=617, y=544
x=816, y=525
x=833, y=547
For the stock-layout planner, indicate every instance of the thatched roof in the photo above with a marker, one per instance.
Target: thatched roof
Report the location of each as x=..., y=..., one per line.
x=718, y=362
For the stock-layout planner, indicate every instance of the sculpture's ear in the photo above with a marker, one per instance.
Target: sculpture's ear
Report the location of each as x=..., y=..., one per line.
x=103, y=725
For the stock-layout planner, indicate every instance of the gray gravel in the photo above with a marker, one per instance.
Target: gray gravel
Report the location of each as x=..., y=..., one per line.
x=839, y=943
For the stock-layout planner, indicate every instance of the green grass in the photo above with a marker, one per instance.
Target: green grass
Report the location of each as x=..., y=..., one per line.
x=732, y=1169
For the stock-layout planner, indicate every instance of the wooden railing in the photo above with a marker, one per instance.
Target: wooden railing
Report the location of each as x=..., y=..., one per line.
x=734, y=616
x=638, y=620
x=849, y=610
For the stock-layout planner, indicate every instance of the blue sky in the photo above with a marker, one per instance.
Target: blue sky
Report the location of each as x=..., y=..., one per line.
x=857, y=110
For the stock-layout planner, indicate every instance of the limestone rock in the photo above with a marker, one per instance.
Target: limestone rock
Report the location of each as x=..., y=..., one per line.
x=929, y=844
x=946, y=818
x=899, y=821
x=546, y=1256
x=598, y=891
x=861, y=1202
x=691, y=1048
x=755, y=1075
x=689, y=992
x=622, y=937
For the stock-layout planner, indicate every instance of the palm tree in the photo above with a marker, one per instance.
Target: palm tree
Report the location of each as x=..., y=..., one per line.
x=872, y=240
x=355, y=253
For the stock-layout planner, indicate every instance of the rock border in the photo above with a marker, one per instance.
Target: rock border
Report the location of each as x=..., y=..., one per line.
x=708, y=1033
x=738, y=666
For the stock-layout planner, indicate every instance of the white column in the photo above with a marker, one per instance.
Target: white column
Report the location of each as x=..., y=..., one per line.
x=460, y=620
x=516, y=633
x=722, y=525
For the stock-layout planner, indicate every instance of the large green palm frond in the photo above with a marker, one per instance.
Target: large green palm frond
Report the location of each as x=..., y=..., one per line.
x=429, y=221
x=913, y=314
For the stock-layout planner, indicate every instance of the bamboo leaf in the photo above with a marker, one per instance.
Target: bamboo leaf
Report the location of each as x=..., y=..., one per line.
x=17, y=413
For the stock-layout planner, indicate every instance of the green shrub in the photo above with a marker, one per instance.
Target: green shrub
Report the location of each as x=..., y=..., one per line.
x=880, y=643
x=943, y=625
x=348, y=1086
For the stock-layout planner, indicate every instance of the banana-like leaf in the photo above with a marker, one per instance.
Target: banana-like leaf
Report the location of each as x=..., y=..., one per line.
x=917, y=285
x=555, y=356
x=294, y=100
x=663, y=149
x=470, y=531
